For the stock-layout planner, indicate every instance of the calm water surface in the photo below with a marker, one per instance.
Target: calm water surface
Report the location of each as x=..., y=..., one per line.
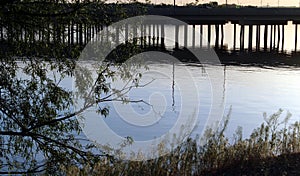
x=249, y=91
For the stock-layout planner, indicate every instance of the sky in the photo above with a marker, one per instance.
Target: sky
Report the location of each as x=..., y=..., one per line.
x=240, y=2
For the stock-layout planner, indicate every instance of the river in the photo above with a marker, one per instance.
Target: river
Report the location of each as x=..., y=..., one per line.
x=248, y=91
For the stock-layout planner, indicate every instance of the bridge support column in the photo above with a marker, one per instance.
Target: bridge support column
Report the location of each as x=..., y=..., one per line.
x=257, y=37
x=90, y=27
x=234, y=37
x=135, y=35
x=242, y=37
x=72, y=33
x=99, y=37
x=126, y=33
x=282, y=39
x=217, y=36
x=278, y=38
x=117, y=36
x=76, y=30
x=85, y=34
x=145, y=35
x=93, y=32
x=271, y=38
x=185, y=35
x=222, y=36
x=63, y=37
x=176, y=37
x=274, y=38
x=42, y=30
x=153, y=35
x=201, y=36
x=157, y=34
x=266, y=38
x=141, y=36
x=68, y=35
x=162, y=39
x=99, y=30
x=149, y=35
x=250, y=37
x=80, y=34
x=194, y=36
x=208, y=35
x=296, y=36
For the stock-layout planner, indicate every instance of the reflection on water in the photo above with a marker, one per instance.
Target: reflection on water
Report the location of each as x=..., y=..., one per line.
x=249, y=90
x=252, y=91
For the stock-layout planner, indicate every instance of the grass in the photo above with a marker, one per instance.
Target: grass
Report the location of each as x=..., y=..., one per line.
x=272, y=148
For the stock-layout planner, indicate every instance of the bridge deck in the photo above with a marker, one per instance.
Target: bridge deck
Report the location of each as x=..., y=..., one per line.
x=196, y=15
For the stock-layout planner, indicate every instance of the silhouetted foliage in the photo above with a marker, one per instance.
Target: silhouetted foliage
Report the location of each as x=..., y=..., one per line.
x=39, y=131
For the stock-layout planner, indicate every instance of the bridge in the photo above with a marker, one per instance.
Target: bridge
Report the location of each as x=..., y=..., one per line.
x=267, y=24
x=246, y=16
x=272, y=19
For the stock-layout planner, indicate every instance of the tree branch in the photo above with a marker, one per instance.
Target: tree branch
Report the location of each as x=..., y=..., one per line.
x=14, y=133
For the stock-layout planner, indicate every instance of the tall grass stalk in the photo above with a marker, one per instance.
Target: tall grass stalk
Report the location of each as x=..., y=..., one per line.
x=252, y=156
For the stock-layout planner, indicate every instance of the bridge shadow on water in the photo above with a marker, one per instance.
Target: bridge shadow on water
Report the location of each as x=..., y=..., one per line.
x=124, y=51
x=233, y=57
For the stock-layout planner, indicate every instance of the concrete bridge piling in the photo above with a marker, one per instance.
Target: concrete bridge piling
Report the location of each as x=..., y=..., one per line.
x=265, y=28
